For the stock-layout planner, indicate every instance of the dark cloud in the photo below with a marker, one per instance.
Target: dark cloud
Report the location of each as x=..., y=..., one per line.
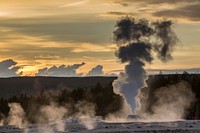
x=60, y=71
x=120, y=2
x=160, y=1
x=145, y=3
x=9, y=68
x=168, y=40
x=96, y=71
x=135, y=51
x=184, y=9
x=190, y=12
x=117, y=14
x=129, y=29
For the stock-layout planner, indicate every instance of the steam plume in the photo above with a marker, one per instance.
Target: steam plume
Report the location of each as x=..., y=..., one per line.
x=16, y=116
x=51, y=118
x=166, y=40
x=52, y=115
x=1, y=122
x=135, y=45
x=172, y=100
x=86, y=114
x=136, y=54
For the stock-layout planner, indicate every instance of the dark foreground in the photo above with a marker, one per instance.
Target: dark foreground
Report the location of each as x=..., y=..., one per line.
x=110, y=127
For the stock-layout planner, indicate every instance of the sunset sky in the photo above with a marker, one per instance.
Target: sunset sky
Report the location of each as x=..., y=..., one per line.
x=43, y=33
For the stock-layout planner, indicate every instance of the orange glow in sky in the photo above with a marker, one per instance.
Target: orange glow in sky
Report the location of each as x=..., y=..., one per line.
x=42, y=33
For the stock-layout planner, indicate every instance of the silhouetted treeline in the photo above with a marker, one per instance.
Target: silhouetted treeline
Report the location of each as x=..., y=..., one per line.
x=103, y=98
x=16, y=86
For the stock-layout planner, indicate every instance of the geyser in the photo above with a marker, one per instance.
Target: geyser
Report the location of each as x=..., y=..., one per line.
x=136, y=40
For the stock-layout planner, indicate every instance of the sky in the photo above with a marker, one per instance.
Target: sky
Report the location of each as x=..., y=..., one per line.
x=75, y=37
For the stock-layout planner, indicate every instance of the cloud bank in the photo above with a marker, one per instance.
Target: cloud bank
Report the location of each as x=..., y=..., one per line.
x=60, y=71
x=96, y=71
x=9, y=68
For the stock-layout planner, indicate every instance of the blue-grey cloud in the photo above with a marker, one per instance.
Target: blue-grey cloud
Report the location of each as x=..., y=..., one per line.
x=9, y=68
x=96, y=71
x=60, y=71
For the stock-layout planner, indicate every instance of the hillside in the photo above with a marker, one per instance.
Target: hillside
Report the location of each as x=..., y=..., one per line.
x=33, y=85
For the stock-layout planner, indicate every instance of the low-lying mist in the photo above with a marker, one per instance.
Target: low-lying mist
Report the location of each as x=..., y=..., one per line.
x=49, y=111
x=51, y=118
x=167, y=103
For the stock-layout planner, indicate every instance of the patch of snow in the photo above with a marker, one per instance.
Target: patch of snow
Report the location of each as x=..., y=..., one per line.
x=74, y=125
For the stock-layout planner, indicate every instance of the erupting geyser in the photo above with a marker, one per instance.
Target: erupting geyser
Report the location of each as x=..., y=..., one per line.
x=136, y=40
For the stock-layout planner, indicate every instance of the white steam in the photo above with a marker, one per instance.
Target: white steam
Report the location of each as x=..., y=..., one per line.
x=1, y=122
x=121, y=115
x=53, y=116
x=171, y=104
x=86, y=114
x=117, y=88
x=16, y=116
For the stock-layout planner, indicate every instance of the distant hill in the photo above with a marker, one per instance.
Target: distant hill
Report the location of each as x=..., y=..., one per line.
x=33, y=85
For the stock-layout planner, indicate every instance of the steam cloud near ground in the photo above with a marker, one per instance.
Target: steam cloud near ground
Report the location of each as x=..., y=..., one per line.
x=167, y=103
x=51, y=118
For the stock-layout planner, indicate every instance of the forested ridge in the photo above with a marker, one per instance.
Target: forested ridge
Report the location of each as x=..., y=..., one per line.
x=17, y=86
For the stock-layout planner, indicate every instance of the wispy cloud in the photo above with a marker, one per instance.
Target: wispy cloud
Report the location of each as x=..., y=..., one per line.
x=92, y=48
x=119, y=14
x=189, y=12
x=118, y=2
x=47, y=57
x=61, y=30
x=74, y=3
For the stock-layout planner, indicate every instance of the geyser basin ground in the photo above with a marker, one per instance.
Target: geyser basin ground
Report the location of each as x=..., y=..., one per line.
x=192, y=126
